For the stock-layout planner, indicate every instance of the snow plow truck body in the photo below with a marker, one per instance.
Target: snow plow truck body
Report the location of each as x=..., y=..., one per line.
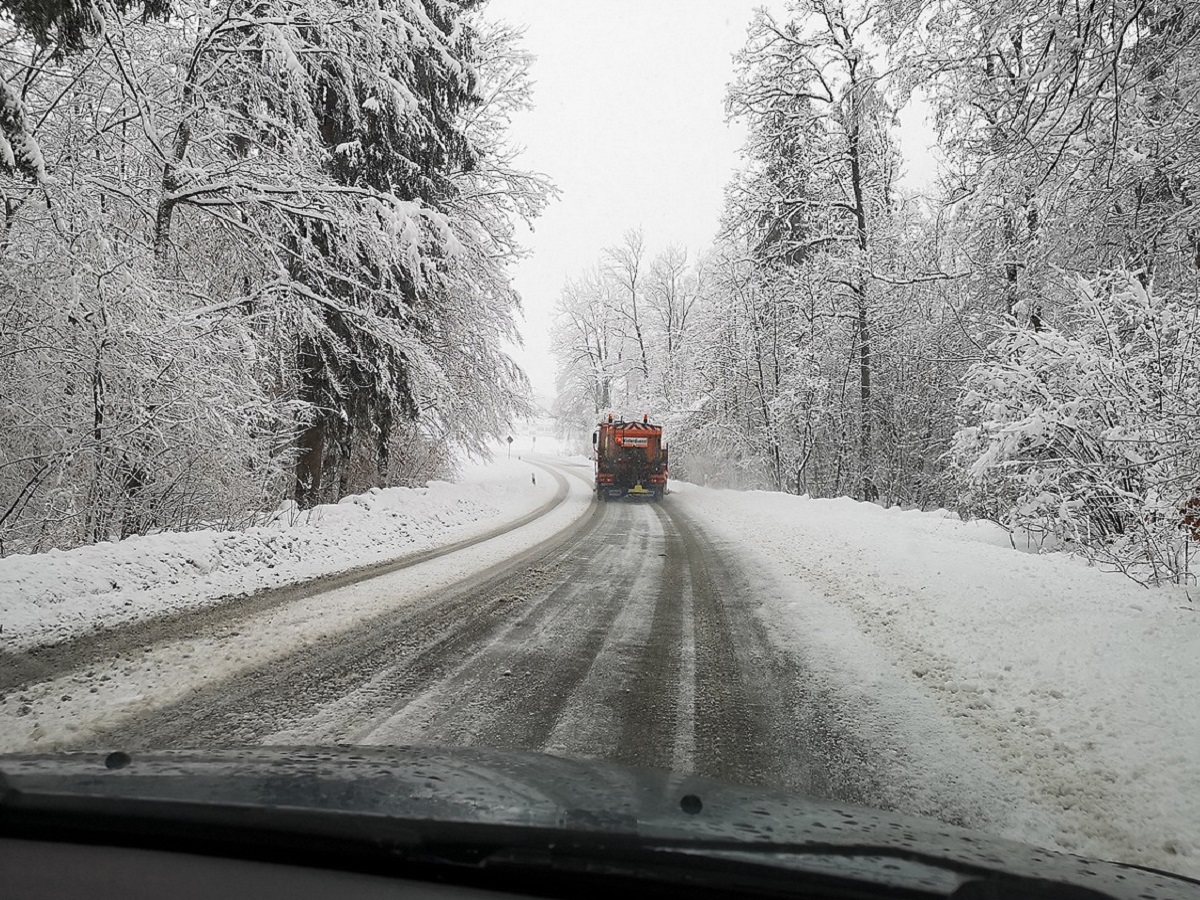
x=631, y=460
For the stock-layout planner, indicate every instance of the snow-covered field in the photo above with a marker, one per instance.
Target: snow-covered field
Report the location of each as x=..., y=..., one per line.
x=1054, y=702
x=47, y=597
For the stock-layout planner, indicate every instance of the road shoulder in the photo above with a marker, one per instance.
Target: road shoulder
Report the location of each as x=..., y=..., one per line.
x=1022, y=694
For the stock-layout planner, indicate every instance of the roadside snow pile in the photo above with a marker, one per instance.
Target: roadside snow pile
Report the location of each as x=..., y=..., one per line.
x=46, y=597
x=1073, y=689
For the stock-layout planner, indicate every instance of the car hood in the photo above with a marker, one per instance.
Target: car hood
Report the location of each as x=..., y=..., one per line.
x=535, y=791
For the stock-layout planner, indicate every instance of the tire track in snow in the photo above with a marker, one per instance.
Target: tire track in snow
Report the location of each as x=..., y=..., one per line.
x=427, y=635
x=517, y=687
x=628, y=637
x=758, y=718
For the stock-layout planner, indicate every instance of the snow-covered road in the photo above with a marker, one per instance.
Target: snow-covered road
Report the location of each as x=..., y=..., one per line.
x=64, y=693
x=900, y=660
x=626, y=637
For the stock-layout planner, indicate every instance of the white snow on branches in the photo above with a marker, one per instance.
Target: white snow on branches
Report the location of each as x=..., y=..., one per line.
x=1089, y=436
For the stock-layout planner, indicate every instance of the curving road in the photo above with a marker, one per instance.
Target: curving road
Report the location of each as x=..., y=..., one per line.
x=629, y=636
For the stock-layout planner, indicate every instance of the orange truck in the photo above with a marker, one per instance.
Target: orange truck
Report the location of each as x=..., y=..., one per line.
x=631, y=460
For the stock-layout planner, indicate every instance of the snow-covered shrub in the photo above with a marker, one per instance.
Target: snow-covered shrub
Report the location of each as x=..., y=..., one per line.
x=1089, y=435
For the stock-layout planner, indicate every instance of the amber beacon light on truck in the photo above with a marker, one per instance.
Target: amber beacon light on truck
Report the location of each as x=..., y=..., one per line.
x=631, y=460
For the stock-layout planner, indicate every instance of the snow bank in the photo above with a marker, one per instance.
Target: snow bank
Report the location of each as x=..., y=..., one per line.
x=1025, y=694
x=46, y=597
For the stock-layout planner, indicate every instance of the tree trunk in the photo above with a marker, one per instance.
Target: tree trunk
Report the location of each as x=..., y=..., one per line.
x=10, y=216
x=869, y=491
x=865, y=461
x=383, y=447
x=310, y=444
x=344, y=449
x=1010, y=263
x=171, y=179
x=309, y=463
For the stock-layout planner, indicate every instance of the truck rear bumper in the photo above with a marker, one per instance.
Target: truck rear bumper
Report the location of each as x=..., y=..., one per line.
x=637, y=492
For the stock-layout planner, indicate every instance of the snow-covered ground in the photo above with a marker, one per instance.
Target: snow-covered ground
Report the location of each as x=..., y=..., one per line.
x=47, y=597
x=70, y=708
x=1028, y=695
x=1050, y=700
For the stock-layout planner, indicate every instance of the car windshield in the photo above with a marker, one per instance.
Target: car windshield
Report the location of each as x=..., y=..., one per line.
x=796, y=393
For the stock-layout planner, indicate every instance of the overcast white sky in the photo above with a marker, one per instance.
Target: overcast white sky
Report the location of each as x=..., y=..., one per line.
x=629, y=121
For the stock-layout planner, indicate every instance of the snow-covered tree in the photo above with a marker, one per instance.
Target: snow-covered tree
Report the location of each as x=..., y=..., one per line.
x=821, y=165
x=308, y=203
x=623, y=335
x=590, y=352
x=1069, y=135
x=1087, y=435
x=673, y=288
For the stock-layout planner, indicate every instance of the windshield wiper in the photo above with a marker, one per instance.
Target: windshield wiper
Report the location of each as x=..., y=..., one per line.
x=385, y=842
x=737, y=865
